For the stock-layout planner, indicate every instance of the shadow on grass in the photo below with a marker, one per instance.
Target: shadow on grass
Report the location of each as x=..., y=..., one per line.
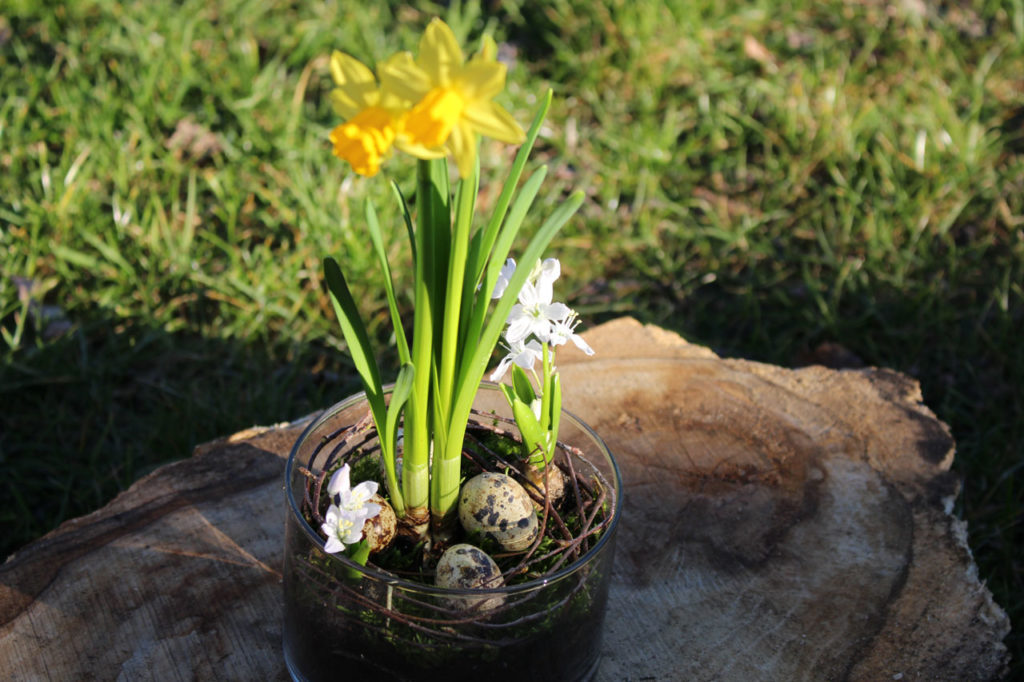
x=88, y=413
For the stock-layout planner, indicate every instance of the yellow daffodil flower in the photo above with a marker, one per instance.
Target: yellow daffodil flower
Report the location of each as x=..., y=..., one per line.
x=372, y=119
x=453, y=98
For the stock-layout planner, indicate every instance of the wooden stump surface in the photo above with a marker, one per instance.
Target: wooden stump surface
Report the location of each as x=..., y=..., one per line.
x=778, y=525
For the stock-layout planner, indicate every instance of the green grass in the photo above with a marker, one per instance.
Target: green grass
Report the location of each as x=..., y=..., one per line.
x=762, y=177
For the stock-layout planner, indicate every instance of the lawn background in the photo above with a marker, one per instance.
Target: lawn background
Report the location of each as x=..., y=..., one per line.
x=761, y=177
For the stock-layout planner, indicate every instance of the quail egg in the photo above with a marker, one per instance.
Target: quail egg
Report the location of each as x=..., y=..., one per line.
x=467, y=567
x=496, y=506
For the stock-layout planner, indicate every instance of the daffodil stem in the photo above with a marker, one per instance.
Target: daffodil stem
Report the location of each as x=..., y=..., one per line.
x=416, y=457
x=446, y=469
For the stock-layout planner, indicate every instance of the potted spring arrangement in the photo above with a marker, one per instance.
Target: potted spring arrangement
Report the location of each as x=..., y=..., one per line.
x=445, y=526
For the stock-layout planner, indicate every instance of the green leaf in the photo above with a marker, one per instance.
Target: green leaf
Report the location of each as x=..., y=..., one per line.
x=534, y=437
x=356, y=337
x=457, y=291
x=509, y=392
x=482, y=246
x=482, y=302
x=377, y=238
x=521, y=381
x=399, y=396
x=555, y=415
x=510, y=229
x=434, y=229
x=415, y=479
x=545, y=413
x=404, y=205
x=471, y=371
x=483, y=254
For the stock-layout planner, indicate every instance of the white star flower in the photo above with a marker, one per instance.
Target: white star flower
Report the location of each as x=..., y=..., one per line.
x=535, y=313
x=353, y=500
x=521, y=354
x=342, y=528
x=544, y=276
x=563, y=330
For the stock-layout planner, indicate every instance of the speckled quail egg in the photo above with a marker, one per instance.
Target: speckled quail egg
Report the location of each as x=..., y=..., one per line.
x=467, y=567
x=495, y=505
x=380, y=530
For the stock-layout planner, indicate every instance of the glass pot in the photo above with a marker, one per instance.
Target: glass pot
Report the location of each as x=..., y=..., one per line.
x=347, y=621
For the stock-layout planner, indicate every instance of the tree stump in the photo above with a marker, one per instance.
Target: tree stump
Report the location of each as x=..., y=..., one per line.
x=778, y=525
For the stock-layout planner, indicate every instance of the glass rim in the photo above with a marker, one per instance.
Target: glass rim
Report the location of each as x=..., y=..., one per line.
x=426, y=588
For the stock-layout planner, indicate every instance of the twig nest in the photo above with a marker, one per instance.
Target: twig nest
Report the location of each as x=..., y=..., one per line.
x=496, y=506
x=465, y=567
x=550, y=481
x=380, y=530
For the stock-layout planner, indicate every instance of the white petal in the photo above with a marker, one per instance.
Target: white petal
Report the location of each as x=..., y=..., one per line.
x=518, y=329
x=330, y=529
x=541, y=328
x=507, y=270
x=556, y=311
x=355, y=534
x=365, y=490
x=525, y=359
x=550, y=270
x=581, y=344
x=502, y=367
x=348, y=527
x=528, y=296
x=333, y=545
x=546, y=276
x=544, y=291
x=339, y=481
